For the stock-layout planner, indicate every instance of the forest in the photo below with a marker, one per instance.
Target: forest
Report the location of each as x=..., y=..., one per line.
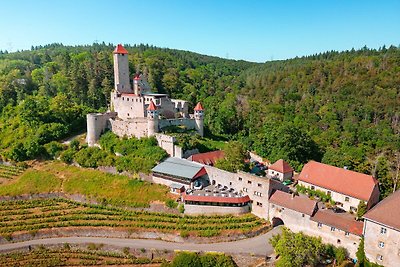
x=341, y=108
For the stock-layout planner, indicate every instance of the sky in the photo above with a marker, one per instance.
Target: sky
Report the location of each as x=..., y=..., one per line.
x=253, y=30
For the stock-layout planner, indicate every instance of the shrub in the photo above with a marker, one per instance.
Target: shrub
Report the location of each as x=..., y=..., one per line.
x=361, y=209
x=53, y=149
x=184, y=233
x=67, y=156
x=181, y=208
x=340, y=254
x=170, y=203
x=126, y=250
x=67, y=246
x=74, y=145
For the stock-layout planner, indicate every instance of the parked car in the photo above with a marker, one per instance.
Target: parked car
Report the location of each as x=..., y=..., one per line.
x=198, y=185
x=288, y=182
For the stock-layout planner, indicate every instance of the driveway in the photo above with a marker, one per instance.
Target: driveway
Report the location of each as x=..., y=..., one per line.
x=258, y=245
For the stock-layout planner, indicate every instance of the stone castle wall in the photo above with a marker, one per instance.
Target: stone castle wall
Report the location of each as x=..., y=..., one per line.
x=96, y=125
x=128, y=106
x=222, y=210
x=133, y=127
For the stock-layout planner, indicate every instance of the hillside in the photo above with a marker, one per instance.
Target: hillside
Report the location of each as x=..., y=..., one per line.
x=341, y=108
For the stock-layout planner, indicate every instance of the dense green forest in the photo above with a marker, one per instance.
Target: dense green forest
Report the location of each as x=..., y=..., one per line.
x=341, y=108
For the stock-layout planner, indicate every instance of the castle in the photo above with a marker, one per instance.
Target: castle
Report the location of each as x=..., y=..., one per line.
x=137, y=111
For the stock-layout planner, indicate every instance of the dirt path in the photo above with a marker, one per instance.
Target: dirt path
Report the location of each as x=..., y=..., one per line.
x=258, y=245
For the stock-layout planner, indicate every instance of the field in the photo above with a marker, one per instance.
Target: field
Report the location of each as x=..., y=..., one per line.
x=118, y=190
x=10, y=172
x=29, y=216
x=42, y=257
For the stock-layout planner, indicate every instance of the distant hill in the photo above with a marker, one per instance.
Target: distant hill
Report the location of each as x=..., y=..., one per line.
x=339, y=107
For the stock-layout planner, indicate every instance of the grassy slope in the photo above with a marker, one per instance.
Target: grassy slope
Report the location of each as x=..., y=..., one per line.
x=32, y=182
x=58, y=177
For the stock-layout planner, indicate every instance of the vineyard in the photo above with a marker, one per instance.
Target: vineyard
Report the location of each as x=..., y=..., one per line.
x=41, y=257
x=29, y=216
x=10, y=172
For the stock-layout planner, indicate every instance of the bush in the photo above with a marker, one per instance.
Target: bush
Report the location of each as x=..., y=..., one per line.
x=53, y=149
x=340, y=254
x=90, y=157
x=170, y=203
x=184, y=259
x=67, y=156
x=184, y=233
x=361, y=209
x=181, y=208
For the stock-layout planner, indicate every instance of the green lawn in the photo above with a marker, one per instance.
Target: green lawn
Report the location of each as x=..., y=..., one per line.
x=104, y=187
x=32, y=182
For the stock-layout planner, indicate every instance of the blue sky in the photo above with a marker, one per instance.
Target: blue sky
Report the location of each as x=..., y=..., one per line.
x=254, y=30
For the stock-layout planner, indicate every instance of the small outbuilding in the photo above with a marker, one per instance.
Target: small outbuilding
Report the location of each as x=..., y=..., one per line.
x=280, y=170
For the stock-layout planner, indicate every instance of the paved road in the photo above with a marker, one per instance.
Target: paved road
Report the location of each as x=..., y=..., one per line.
x=258, y=245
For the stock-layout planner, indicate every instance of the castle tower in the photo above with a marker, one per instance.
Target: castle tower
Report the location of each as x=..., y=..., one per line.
x=199, y=118
x=152, y=119
x=136, y=87
x=121, y=70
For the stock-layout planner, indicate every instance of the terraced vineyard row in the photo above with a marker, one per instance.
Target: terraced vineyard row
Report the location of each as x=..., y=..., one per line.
x=33, y=215
x=70, y=257
x=9, y=172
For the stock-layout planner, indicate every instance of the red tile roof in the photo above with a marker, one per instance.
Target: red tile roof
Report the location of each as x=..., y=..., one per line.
x=120, y=50
x=281, y=166
x=208, y=158
x=152, y=106
x=298, y=203
x=344, y=222
x=350, y=183
x=200, y=173
x=198, y=107
x=129, y=94
x=218, y=199
x=387, y=211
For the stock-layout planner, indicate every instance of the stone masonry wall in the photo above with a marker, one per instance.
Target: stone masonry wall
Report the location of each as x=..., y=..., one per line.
x=133, y=127
x=204, y=209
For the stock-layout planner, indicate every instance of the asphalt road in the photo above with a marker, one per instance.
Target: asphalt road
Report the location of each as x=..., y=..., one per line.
x=257, y=245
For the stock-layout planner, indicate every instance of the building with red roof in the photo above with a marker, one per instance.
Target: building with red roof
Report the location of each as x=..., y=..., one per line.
x=280, y=170
x=207, y=158
x=382, y=231
x=347, y=188
x=120, y=50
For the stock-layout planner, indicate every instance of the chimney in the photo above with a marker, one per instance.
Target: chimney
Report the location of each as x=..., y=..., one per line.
x=293, y=195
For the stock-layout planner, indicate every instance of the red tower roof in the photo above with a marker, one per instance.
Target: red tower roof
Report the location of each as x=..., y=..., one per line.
x=198, y=107
x=120, y=50
x=152, y=106
x=281, y=166
x=136, y=77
